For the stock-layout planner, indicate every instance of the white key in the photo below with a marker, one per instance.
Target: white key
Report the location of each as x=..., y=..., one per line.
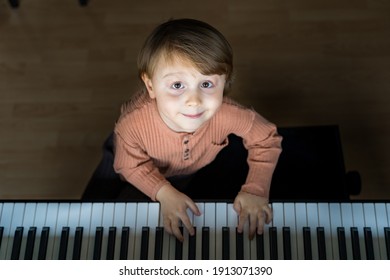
x=210, y=221
x=370, y=220
x=119, y=221
x=62, y=221
x=141, y=221
x=335, y=222
x=186, y=235
x=301, y=221
x=168, y=242
x=221, y=221
x=28, y=221
x=312, y=222
x=107, y=222
x=172, y=245
x=324, y=221
x=253, y=248
x=51, y=222
x=388, y=213
x=266, y=248
x=247, y=241
x=6, y=219
x=232, y=220
x=358, y=221
x=17, y=221
x=346, y=218
x=74, y=219
x=130, y=221
x=85, y=223
x=96, y=221
x=278, y=222
x=199, y=223
x=382, y=216
x=153, y=221
x=40, y=221
x=289, y=221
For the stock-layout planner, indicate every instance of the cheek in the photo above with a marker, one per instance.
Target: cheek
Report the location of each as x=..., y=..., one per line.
x=216, y=101
x=170, y=105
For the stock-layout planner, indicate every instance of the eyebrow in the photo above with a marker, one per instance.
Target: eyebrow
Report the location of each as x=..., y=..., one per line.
x=173, y=74
x=181, y=73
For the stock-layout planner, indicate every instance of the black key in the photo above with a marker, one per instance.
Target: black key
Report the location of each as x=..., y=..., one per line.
x=77, y=243
x=239, y=245
x=287, y=243
x=63, y=243
x=28, y=255
x=355, y=243
x=192, y=246
x=225, y=243
x=342, y=243
x=17, y=243
x=1, y=234
x=97, y=250
x=158, y=247
x=307, y=243
x=124, y=243
x=260, y=246
x=321, y=243
x=179, y=247
x=273, y=243
x=387, y=238
x=205, y=243
x=144, y=243
x=111, y=243
x=369, y=243
x=43, y=243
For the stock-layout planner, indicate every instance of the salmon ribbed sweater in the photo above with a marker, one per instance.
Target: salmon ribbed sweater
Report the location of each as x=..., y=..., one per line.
x=147, y=151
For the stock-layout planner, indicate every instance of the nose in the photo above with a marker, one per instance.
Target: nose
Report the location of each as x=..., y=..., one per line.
x=193, y=99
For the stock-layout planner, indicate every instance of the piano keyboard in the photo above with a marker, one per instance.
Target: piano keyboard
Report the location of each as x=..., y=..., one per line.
x=71, y=230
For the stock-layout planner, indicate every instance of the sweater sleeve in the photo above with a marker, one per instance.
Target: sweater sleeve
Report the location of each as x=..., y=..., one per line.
x=136, y=167
x=264, y=147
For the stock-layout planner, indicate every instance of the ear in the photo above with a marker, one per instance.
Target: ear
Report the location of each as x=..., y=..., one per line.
x=149, y=85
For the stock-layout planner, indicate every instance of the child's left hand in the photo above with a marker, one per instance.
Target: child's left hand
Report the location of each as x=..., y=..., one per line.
x=254, y=209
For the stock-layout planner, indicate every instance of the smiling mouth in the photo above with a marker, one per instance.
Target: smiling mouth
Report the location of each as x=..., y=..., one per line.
x=195, y=116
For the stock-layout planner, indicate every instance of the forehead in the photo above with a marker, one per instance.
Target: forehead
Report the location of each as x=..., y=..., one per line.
x=166, y=65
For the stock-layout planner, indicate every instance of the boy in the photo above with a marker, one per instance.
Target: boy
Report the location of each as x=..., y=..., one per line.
x=181, y=120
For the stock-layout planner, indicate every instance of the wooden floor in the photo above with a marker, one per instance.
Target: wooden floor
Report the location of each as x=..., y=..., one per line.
x=65, y=70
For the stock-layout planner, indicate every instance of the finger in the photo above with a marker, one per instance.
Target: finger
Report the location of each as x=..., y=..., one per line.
x=194, y=208
x=237, y=206
x=260, y=222
x=177, y=232
x=167, y=226
x=252, y=225
x=241, y=221
x=268, y=213
x=187, y=223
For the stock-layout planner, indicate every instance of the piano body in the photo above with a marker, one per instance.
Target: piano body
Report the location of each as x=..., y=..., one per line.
x=133, y=230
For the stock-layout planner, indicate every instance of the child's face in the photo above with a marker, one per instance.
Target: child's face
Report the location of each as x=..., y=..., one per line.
x=185, y=98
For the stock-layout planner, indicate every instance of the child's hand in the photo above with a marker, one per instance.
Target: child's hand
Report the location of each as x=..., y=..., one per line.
x=174, y=206
x=255, y=210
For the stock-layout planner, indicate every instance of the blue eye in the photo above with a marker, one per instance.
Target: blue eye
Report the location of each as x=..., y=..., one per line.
x=177, y=85
x=207, y=84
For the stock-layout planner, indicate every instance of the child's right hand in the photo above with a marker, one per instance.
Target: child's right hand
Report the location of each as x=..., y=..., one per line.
x=174, y=206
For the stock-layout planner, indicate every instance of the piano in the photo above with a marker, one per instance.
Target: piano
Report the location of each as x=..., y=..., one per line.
x=133, y=230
